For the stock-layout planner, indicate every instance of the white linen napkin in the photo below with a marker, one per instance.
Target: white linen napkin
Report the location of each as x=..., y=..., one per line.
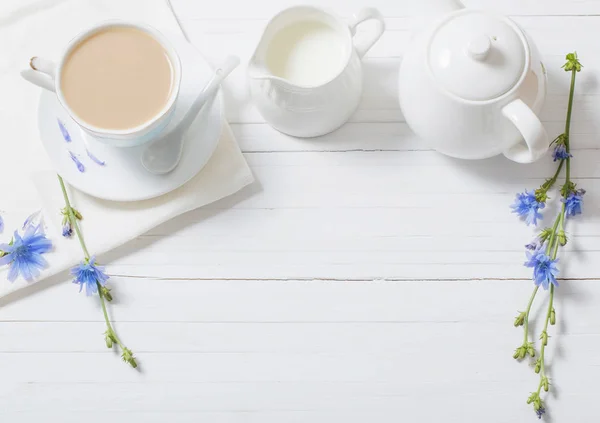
x=43, y=27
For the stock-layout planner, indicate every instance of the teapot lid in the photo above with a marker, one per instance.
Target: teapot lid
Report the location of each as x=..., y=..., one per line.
x=476, y=55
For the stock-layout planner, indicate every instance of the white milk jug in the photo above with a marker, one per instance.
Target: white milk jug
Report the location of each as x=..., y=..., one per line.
x=305, y=76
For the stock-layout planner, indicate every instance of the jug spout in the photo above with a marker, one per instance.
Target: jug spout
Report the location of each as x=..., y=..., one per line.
x=257, y=67
x=258, y=70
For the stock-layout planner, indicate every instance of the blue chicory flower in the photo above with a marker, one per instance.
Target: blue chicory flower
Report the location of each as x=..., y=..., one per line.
x=533, y=245
x=544, y=268
x=532, y=256
x=574, y=203
x=540, y=412
x=528, y=207
x=560, y=153
x=89, y=274
x=67, y=230
x=24, y=254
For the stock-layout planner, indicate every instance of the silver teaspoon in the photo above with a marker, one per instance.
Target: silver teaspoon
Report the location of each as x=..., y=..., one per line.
x=163, y=155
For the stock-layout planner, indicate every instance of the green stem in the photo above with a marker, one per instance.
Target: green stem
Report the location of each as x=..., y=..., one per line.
x=526, y=321
x=550, y=182
x=570, y=107
x=108, y=325
x=552, y=236
x=543, y=347
x=72, y=218
x=568, y=124
x=561, y=219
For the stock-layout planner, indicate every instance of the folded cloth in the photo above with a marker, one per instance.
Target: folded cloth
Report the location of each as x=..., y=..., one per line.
x=43, y=27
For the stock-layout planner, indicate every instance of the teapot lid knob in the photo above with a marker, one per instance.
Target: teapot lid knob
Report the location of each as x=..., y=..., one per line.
x=479, y=47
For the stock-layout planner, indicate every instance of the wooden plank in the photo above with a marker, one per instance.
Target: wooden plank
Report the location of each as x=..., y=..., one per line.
x=262, y=9
x=153, y=300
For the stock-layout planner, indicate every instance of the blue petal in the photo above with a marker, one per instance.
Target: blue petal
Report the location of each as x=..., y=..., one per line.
x=40, y=246
x=1, y=225
x=6, y=259
x=26, y=271
x=30, y=219
x=80, y=285
x=80, y=166
x=39, y=260
x=35, y=270
x=63, y=130
x=13, y=272
x=94, y=158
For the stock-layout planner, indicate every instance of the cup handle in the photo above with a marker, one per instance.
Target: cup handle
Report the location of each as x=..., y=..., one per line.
x=365, y=15
x=42, y=73
x=535, y=137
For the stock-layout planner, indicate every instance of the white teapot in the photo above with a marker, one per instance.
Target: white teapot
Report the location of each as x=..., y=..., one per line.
x=471, y=83
x=305, y=76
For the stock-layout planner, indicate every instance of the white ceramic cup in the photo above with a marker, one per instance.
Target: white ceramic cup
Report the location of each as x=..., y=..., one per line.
x=47, y=74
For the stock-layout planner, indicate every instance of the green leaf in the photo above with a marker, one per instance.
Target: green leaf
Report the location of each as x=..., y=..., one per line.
x=78, y=215
x=533, y=397
x=105, y=292
x=538, y=365
x=545, y=234
x=541, y=194
x=544, y=338
x=545, y=384
x=520, y=319
x=562, y=238
x=127, y=357
x=108, y=339
x=568, y=188
x=572, y=63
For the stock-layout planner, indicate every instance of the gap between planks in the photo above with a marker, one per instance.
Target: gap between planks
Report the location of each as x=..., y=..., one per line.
x=316, y=279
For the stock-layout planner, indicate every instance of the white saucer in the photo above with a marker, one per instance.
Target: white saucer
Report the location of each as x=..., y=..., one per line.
x=123, y=178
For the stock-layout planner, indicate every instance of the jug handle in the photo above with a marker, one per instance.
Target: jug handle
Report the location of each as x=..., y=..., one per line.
x=363, y=15
x=535, y=137
x=42, y=73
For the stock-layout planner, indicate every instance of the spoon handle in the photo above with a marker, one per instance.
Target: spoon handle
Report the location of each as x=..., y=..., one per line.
x=230, y=63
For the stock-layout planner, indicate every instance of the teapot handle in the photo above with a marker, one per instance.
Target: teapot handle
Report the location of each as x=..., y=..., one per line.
x=362, y=46
x=42, y=73
x=532, y=130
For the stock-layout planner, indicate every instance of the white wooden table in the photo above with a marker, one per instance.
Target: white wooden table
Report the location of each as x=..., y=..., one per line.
x=363, y=278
